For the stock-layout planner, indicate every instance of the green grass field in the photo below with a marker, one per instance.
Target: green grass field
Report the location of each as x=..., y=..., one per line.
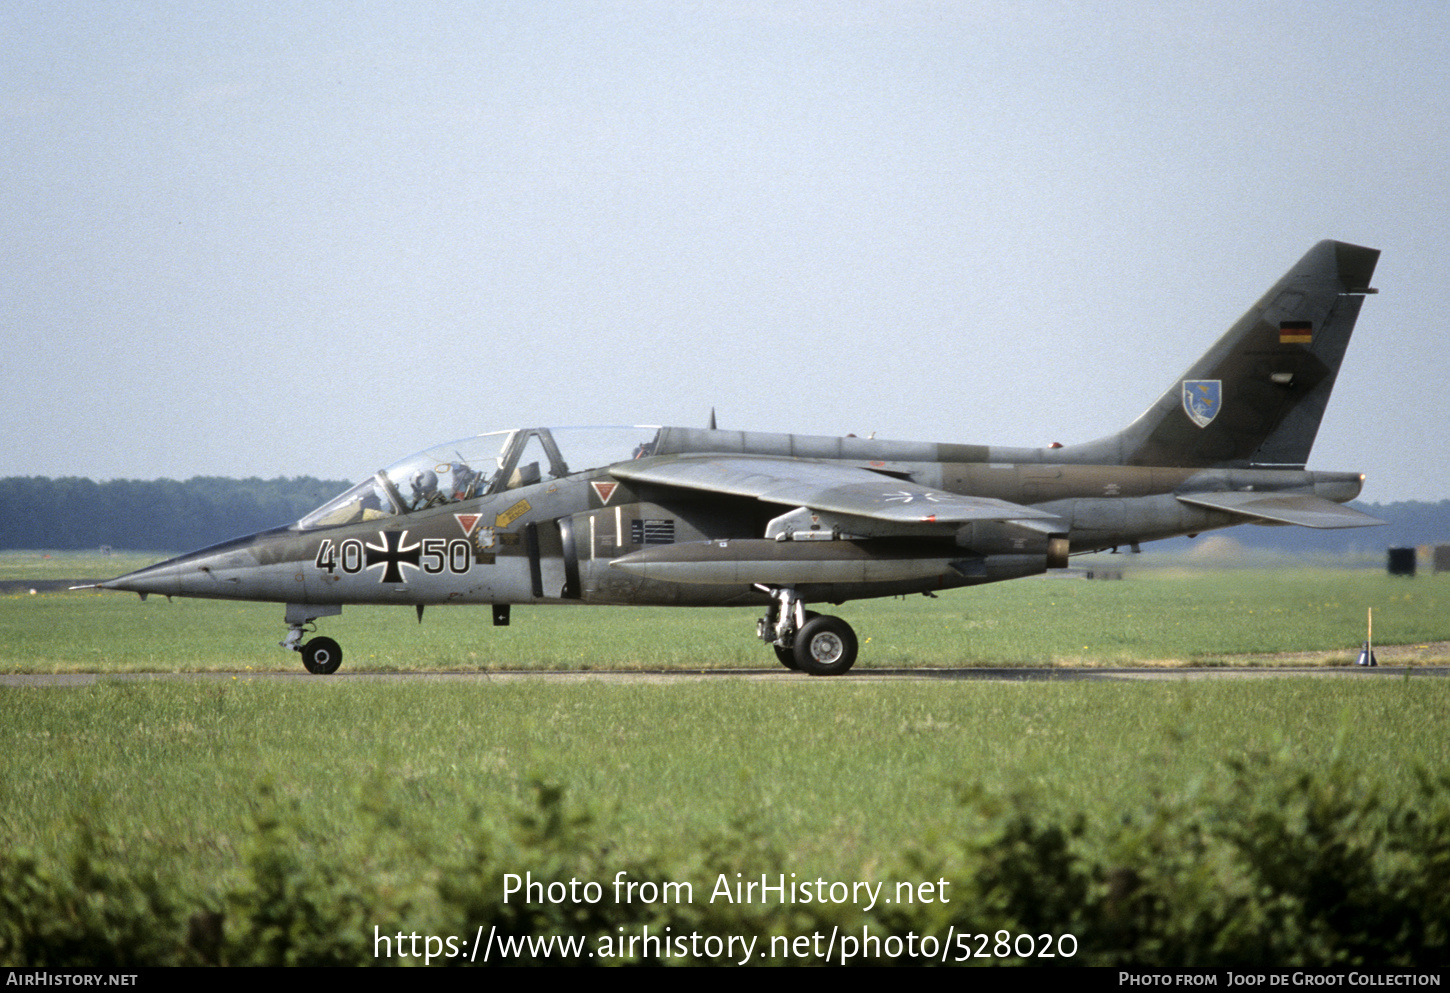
x=834, y=775
x=50, y=565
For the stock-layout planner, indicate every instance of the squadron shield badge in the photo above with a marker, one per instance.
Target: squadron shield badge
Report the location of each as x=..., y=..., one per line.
x=1202, y=400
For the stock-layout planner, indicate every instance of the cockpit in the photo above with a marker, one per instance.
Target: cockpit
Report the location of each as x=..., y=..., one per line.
x=481, y=466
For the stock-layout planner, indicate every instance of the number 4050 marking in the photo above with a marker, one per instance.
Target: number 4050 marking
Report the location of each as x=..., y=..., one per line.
x=438, y=554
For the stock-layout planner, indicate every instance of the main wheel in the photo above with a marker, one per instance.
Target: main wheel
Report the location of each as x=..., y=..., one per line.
x=321, y=656
x=826, y=646
x=786, y=656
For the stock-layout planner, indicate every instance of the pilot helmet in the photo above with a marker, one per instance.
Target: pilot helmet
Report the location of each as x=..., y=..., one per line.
x=425, y=482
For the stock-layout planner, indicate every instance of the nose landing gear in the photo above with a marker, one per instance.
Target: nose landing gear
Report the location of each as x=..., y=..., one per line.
x=320, y=656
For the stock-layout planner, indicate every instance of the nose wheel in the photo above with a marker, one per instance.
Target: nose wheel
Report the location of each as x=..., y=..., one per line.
x=321, y=656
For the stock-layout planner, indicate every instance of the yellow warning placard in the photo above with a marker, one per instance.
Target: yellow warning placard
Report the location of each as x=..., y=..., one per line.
x=512, y=514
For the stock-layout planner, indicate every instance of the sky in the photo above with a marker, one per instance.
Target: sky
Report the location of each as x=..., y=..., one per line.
x=311, y=238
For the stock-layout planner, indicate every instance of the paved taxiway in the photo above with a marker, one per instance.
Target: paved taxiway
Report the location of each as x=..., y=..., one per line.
x=691, y=675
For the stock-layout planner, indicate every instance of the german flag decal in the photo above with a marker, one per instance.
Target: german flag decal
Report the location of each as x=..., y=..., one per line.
x=1296, y=332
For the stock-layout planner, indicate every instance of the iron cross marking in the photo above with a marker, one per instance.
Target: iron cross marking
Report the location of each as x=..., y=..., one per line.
x=392, y=556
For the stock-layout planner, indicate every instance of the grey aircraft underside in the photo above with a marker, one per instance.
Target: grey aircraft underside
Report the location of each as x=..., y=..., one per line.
x=703, y=517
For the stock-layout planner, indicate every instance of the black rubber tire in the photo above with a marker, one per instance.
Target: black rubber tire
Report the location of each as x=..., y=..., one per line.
x=321, y=656
x=826, y=646
x=786, y=656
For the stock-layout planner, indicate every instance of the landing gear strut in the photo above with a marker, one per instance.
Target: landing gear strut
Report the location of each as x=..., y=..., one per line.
x=818, y=644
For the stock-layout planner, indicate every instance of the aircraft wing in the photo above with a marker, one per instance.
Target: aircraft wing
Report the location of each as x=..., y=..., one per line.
x=1283, y=508
x=826, y=487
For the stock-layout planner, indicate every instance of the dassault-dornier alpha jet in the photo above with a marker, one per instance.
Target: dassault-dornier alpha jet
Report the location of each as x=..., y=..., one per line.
x=709, y=518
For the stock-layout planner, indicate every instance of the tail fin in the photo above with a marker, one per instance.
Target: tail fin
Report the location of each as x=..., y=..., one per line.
x=1257, y=396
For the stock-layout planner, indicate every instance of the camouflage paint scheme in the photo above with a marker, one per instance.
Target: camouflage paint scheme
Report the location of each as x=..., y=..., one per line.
x=703, y=517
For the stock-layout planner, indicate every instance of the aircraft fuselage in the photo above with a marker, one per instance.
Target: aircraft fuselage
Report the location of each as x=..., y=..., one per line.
x=590, y=538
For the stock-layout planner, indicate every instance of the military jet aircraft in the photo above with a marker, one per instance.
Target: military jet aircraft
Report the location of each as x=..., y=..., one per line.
x=701, y=517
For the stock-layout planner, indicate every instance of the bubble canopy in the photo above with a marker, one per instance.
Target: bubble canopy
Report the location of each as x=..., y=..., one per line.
x=480, y=466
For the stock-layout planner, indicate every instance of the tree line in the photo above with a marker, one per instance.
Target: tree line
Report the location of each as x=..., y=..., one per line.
x=160, y=515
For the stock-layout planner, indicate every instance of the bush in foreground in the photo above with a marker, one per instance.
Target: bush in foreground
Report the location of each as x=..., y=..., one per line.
x=1282, y=866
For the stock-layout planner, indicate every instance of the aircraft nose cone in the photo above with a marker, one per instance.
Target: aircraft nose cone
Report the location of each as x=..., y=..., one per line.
x=167, y=578
x=209, y=572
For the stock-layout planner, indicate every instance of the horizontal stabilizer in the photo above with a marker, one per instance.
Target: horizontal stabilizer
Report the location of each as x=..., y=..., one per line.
x=831, y=487
x=1283, y=508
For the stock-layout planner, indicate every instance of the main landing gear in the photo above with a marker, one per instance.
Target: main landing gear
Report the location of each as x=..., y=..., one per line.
x=320, y=656
x=818, y=644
